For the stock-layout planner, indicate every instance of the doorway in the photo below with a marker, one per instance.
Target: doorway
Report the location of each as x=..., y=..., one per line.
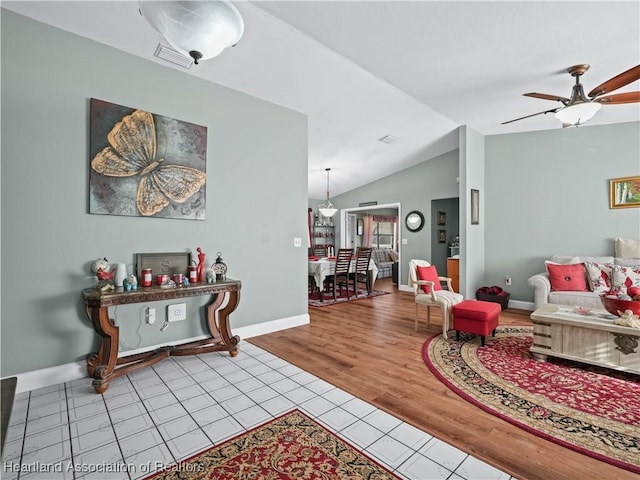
x=445, y=231
x=351, y=236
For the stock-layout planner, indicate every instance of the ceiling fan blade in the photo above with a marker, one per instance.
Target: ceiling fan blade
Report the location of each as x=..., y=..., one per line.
x=532, y=115
x=544, y=96
x=628, y=97
x=616, y=82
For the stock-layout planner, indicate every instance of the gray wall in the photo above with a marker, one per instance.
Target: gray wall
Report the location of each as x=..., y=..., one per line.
x=414, y=188
x=547, y=193
x=472, y=237
x=541, y=193
x=48, y=237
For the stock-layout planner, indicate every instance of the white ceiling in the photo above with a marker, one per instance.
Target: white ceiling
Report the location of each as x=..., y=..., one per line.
x=415, y=70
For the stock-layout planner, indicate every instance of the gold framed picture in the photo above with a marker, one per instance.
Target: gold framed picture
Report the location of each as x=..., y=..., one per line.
x=624, y=192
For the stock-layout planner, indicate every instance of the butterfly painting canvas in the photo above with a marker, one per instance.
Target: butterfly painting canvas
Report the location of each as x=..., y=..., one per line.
x=142, y=164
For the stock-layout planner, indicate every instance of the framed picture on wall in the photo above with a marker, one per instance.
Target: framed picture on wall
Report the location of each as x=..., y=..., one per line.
x=442, y=218
x=360, y=227
x=442, y=236
x=624, y=192
x=475, y=207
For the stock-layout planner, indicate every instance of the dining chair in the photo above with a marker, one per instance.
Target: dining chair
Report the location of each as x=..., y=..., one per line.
x=320, y=251
x=361, y=270
x=340, y=275
x=428, y=291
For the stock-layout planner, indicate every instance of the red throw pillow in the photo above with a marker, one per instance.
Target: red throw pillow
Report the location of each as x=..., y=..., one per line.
x=567, y=277
x=429, y=273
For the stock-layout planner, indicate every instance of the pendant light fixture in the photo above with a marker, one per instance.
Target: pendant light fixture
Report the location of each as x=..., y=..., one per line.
x=198, y=29
x=327, y=209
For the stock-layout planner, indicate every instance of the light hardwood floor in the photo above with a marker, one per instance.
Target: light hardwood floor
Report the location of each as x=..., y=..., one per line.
x=369, y=348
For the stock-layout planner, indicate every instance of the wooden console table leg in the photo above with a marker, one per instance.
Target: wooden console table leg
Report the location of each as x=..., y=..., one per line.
x=101, y=365
x=220, y=330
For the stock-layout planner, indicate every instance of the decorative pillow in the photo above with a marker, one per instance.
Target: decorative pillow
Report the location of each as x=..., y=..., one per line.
x=393, y=255
x=627, y=248
x=567, y=277
x=429, y=273
x=599, y=276
x=625, y=277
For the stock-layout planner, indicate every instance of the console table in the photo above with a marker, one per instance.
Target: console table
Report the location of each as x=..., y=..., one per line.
x=105, y=365
x=592, y=337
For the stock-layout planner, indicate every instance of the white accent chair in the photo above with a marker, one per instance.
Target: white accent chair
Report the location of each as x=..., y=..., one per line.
x=442, y=299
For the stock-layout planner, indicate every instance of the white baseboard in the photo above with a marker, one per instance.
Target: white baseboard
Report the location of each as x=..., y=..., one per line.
x=522, y=305
x=72, y=371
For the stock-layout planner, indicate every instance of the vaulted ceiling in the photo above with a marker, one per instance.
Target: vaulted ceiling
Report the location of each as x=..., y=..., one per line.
x=416, y=70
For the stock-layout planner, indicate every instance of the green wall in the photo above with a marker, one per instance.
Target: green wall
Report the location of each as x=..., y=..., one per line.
x=547, y=193
x=541, y=193
x=414, y=188
x=48, y=237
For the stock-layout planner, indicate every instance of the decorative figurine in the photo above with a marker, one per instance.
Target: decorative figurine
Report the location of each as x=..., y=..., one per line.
x=219, y=268
x=201, y=257
x=102, y=268
x=211, y=277
x=132, y=282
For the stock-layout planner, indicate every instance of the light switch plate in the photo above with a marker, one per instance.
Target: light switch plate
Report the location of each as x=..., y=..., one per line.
x=177, y=312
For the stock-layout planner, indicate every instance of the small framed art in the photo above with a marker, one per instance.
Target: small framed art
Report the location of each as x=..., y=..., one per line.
x=442, y=236
x=624, y=192
x=442, y=218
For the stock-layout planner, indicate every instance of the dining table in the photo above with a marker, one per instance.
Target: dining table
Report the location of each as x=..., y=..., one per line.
x=322, y=267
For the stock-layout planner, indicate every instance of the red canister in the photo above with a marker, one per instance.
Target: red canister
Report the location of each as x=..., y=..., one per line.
x=193, y=274
x=147, y=277
x=162, y=279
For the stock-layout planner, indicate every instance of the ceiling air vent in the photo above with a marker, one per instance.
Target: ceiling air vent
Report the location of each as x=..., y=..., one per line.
x=170, y=55
x=388, y=139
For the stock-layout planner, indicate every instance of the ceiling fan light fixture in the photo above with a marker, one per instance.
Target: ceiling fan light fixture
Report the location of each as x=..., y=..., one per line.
x=197, y=29
x=578, y=113
x=327, y=209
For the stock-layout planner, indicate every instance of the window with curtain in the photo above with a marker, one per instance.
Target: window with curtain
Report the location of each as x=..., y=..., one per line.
x=383, y=232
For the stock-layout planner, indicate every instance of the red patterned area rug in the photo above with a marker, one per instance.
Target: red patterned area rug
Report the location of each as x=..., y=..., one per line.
x=314, y=300
x=290, y=446
x=592, y=410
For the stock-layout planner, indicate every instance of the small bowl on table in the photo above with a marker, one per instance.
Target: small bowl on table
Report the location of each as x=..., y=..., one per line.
x=615, y=305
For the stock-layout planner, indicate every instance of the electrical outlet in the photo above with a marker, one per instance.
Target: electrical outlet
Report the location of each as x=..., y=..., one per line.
x=177, y=312
x=151, y=315
x=297, y=242
x=507, y=280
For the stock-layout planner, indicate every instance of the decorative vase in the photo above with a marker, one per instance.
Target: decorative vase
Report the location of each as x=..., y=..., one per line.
x=121, y=274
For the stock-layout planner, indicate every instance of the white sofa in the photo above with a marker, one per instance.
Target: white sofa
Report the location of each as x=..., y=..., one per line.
x=623, y=269
x=542, y=292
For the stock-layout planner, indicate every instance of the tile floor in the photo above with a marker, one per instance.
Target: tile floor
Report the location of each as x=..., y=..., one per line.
x=157, y=416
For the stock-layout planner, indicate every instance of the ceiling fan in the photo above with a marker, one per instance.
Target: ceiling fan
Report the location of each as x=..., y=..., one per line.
x=580, y=107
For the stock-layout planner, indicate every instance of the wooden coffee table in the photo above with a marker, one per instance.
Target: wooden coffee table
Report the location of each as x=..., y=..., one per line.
x=584, y=336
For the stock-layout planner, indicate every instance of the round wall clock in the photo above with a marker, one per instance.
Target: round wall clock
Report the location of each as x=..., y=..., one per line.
x=414, y=221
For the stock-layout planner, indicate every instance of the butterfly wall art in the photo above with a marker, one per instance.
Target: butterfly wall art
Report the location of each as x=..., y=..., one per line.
x=144, y=164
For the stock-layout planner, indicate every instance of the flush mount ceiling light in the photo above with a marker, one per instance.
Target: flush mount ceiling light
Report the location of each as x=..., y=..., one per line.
x=327, y=209
x=198, y=29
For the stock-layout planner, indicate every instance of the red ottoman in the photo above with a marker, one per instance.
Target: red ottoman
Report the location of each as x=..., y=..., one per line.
x=475, y=316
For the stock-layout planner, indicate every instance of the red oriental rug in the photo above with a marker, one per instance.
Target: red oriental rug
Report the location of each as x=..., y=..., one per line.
x=592, y=410
x=314, y=300
x=290, y=446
